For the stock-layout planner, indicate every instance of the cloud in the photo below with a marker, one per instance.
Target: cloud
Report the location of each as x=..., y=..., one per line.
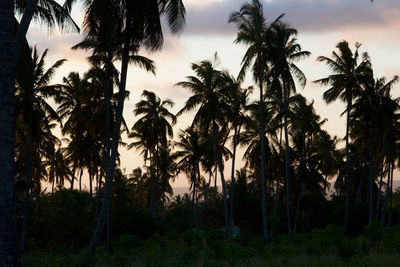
x=305, y=15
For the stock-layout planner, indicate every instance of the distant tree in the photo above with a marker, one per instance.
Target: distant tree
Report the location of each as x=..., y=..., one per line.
x=209, y=96
x=284, y=51
x=345, y=83
x=253, y=31
x=32, y=82
x=153, y=129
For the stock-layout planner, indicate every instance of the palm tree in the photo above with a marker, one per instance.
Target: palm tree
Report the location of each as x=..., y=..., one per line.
x=153, y=127
x=209, y=94
x=32, y=89
x=191, y=150
x=252, y=31
x=73, y=98
x=104, y=39
x=284, y=51
x=345, y=82
x=11, y=44
x=167, y=171
x=142, y=27
x=373, y=115
x=238, y=99
x=58, y=168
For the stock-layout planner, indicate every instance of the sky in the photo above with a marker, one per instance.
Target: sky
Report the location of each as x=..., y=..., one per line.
x=321, y=24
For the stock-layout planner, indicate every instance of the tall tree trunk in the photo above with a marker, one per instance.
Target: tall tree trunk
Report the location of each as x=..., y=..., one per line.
x=106, y=205
x=90, y=185
x=371, y=178
x=80, y=180
x=276, y=200
x=192, y=204
x=296, y=219
x=221, y=173
x=287, y=159
x=152, y=210
x=38, y=182
x=74, y=167
x=206, y=194
x=383, y=218
x=391, y=197
x=232, y=197
x=277, y=181
x=109, y=232
x=98, y=193
x=215, y=184
x=24, y=230
x=262, y=148
x=157, y=183
x=231, y=223
x=360, y=185
x=347, y=212
x=196, y=211
x=378, y=199
x=107, y=143
x=9, y=54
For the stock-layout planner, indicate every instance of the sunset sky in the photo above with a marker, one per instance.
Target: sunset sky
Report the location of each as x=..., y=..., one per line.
x=321, y=24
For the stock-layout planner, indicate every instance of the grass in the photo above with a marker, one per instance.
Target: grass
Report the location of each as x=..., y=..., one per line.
x=322, y=247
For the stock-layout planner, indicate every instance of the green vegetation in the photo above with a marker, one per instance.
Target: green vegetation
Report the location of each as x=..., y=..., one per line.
x=173, y=243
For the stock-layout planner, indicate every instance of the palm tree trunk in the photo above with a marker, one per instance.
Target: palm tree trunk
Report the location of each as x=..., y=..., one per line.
x=106, y=145
x=74, y=168
x=378, y=199
x=215, y=184
x=347, y=212
x=10, y=50
x=196, y=218
x=206, y=194
x=371, y=178
x=106, y=205
x=262, y=145
x=98, y=195
x=383, y=218
x=90, y=185
x=109, y=232
x=231, y=223
x=276, y=198
x=287, y=159
x=277, y=181
x=157, y=183
x=152, y=186
x=221, y=173
x=296, y=219
x=391, y=197
x=28, y=181
x=192, y=205
x=24, y=26
x=38, y=183
x=360, y=185
x=80, y=180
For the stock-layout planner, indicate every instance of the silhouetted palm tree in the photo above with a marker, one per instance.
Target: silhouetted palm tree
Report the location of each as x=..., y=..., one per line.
x=32, y=90
x=10, y=47
x=153, y=128
x=142, y=27
x=283, y=52
x=191, y=149
x=209, y=96
x=345, y=82
x=253, y=31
